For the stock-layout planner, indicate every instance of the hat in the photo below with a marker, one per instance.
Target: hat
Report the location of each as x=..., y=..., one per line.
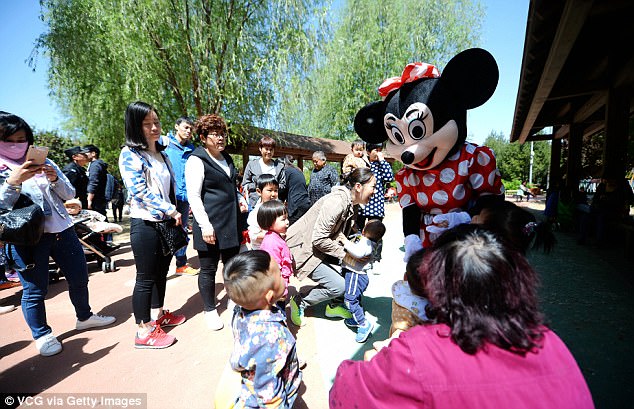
x=91, y=148
x=70, y=152
x=73, y=202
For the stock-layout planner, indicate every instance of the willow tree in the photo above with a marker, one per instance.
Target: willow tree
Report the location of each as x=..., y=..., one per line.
x=187, y=57
x=373, y=40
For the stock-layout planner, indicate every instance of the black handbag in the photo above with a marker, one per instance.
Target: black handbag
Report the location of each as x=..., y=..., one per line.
x=173, y=237
x=23, y=225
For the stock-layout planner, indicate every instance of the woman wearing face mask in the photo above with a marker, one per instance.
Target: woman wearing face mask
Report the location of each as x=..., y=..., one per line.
x=266, y=164
x=46, y=186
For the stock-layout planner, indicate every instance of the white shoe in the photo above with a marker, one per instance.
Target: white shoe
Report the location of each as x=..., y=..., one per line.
x=7, y=309
x=95, y=321
x=213, y=320
x=48, y=345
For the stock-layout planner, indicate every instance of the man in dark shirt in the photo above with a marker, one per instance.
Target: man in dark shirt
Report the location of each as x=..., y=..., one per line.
x=76, y=173
x=97, y=179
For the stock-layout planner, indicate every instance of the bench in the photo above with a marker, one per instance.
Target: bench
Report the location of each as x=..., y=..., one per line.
x=518, y=195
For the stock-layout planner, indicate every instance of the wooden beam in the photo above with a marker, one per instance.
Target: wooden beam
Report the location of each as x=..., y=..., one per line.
x=572, y=19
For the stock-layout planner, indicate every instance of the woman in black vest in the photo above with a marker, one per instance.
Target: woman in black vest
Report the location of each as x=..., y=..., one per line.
x=210, y=176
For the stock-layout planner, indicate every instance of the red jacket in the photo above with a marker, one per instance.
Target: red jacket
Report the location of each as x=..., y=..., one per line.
x=423, y=368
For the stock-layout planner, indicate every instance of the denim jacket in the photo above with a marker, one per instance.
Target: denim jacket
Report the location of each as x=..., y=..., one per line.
x=57, y=192
x=146, y=193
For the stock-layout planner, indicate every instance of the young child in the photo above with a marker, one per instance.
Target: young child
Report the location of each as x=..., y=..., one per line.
x=95, y=221
x=264, y=349
x=408, y=298
x=267, y=189
x=509, y=221
x=273, y=219
x=359, y=252
x=356, y=159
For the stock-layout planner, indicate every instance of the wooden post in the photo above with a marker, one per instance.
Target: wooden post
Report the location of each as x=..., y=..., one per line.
x=616, y=133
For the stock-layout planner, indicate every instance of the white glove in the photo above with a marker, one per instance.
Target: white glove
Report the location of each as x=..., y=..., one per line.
x=451, y=220
x=413, y=243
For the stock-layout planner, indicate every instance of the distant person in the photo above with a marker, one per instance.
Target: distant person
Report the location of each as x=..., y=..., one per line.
x=97, y=180
x=266, y=164
x=179, y=149
x=322, y=178
x=75, y=171
x=265, y=351
x=297, y=199
x=526, y=191
x=355, y=159
x=375, y=209
x=488, y=345
x=117, y=202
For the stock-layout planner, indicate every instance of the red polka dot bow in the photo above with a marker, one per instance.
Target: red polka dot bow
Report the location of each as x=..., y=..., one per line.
x=412, y=72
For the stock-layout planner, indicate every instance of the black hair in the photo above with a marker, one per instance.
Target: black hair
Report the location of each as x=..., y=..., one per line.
x=359, y=175
x=374, y=230
x=92, y=148
x=518, y=226
x=186, y=119
x=135, y=113
x=370, y=146
x=269, y=212
x=411, y=273
x=10, y=124
x=246, y=277
x=483, y=289
x=266, y=179
x=357, y=142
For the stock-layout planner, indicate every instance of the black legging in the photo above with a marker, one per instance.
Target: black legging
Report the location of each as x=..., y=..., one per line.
x=207, y=277
x=151, y=269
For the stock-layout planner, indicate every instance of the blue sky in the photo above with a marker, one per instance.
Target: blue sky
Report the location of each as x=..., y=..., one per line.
x=25, y=92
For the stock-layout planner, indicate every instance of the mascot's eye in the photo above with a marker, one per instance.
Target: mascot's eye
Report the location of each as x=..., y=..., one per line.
x=396, y=134
x=417, y=129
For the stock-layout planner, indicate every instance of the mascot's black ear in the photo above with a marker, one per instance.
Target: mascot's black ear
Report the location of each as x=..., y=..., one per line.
x=368, y=123
x=473, y=75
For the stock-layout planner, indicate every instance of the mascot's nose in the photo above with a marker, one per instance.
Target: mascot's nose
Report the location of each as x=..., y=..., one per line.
x=407, y=157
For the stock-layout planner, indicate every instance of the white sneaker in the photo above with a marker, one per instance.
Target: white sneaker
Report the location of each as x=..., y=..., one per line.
x=95, y=321
x=213, y=320
x=48, y=345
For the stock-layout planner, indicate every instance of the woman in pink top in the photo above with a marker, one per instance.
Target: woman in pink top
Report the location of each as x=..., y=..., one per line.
x=273, y=218
x=487, y=346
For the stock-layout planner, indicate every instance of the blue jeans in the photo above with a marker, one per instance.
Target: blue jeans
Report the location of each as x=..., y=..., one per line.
x=68, y=254
x=183, y=209
x=356, y=284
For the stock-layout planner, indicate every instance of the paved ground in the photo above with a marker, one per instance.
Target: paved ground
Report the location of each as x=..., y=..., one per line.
x=586, y=292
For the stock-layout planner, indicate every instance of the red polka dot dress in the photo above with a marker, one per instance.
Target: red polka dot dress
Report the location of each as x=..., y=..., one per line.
x=461, y=178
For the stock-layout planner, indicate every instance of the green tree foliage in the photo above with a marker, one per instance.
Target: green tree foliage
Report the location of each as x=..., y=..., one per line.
x=187, y=57
x=372, y=41
x=513, y=160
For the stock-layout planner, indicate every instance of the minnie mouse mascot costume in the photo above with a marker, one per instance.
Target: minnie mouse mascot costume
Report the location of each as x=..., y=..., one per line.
x=423, y=117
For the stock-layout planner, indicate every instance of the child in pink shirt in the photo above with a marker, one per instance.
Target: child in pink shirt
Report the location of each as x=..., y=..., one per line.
x=273, y=218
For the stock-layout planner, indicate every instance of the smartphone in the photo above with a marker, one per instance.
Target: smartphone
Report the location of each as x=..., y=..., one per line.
x=37, y=154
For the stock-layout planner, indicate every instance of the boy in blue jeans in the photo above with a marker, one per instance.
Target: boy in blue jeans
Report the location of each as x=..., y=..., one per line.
x=360, y=251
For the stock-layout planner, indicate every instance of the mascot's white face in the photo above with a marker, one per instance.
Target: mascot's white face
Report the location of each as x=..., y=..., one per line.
x=412, y=138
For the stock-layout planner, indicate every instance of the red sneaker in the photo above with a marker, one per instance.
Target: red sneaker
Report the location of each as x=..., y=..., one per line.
x=170, y=320
x=155, y=339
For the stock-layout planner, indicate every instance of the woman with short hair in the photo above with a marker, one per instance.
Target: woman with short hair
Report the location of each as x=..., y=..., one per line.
x=266, y=164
